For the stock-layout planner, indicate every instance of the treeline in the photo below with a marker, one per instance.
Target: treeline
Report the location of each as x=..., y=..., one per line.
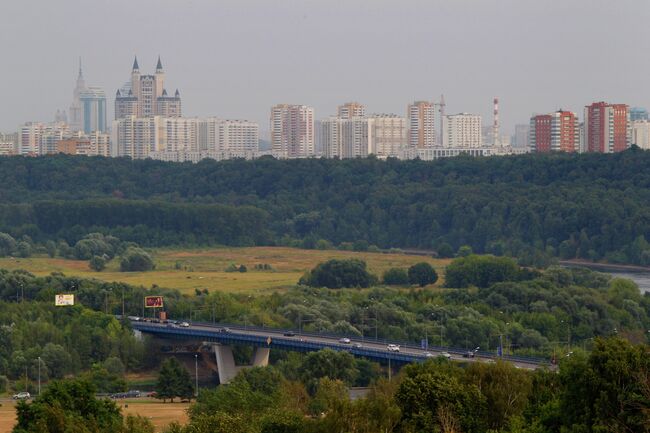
x=532, y=206
x=148, y=223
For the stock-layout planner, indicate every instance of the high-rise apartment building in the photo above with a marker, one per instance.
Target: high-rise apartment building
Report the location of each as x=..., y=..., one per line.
x=38, y=138
x=292, y=131
x=640, y=133
x=93, y=107
x=172, y=137
x=137, y=137
x=389, y=135
x=330, y=137
x=606, y=127
x=346, y=137
x=520, y=139
x=88, y=108
x=462, y=130
x=350, y=110
x=555, y=132
x=9, y=143
x=225, y=135
x=421, y=121
x=146, y=96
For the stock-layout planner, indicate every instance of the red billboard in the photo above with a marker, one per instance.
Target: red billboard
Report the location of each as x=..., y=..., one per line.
x=153, y=301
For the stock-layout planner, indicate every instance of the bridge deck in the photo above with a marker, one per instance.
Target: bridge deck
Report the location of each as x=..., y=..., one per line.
x=307, y=342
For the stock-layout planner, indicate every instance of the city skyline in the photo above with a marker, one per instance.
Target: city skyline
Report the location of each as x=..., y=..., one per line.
x=223, y=55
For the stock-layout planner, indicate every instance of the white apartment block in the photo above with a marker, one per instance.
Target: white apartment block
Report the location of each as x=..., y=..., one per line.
x=196, y=156
x=170, y=137
x=438, y=152
x=640, y=133
x=100, y=144
x=180, y=134
x=292, y=131
x=40, y=138
x=421, y=121
x=330, y=137
x=346, y=137
x=7, y=148
x=388, y=134
x=462, y=130
x=137, y=137
x=225, y=135
x=238, y=136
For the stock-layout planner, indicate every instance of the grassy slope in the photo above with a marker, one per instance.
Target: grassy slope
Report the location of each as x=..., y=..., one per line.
x=205, y=268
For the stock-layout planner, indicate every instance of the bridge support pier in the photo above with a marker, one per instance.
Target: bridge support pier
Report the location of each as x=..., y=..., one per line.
x=226, y=366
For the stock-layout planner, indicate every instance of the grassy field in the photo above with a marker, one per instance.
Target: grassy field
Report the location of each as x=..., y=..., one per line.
x=205, y=268
x=160, y=414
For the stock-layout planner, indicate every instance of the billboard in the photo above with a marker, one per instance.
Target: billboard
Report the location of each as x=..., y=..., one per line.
x=153, y=301
x=63, y=300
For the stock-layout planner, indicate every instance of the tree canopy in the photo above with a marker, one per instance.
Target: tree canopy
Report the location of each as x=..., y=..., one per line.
x=533, y=207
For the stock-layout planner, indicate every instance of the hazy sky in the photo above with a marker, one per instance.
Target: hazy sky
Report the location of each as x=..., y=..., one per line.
x=235, y=59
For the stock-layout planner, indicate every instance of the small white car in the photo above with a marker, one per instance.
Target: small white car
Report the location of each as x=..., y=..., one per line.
x=429, y=355
x=445, y=355
x=358, y=345
x=22, y=396
x=393, y=348
x=184, y=325
x=344, y=340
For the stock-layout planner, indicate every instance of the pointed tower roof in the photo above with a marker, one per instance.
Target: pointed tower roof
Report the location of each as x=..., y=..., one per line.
x=118, y=94
x=81, y=75
x=164, y=92
x=159, y=67
x=177, y=94
x=135, y=64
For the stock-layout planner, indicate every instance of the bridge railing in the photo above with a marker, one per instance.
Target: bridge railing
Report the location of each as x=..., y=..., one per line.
x=280, y=341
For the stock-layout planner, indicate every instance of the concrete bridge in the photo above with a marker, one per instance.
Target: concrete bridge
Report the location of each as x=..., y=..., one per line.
x=223, y=337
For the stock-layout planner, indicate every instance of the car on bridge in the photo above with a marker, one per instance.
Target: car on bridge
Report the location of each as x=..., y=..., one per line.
x=225, y=330
x=289, y=334
x=344, y=340
x=184, y=325
x=471, y=353
x=393, y=348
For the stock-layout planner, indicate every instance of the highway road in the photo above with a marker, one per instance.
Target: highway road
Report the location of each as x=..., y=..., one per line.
x=273, y=338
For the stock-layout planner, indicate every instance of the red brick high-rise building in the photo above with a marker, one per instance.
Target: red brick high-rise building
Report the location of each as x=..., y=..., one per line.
x=555, y=132
x=606, y=127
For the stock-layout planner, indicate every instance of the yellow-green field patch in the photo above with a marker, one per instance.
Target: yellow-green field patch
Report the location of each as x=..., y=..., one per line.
x=191, y=269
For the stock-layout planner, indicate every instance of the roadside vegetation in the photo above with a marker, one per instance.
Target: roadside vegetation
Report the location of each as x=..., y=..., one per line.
x=606, y=390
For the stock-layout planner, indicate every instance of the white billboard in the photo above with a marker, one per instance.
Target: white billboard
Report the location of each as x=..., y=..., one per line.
x=63, y=300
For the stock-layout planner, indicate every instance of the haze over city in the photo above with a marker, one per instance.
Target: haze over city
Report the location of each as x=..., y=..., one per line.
x=237, y=59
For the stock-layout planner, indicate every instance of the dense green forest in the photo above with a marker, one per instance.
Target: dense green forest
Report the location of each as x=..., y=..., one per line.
x=587, y=206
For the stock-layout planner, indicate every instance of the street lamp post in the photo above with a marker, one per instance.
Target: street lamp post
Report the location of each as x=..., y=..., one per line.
x=39, y=375
x=196, y=375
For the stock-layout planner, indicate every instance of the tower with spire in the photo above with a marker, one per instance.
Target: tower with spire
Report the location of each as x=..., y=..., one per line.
x=146, y=96
x=75, y=116
x=88, y=108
